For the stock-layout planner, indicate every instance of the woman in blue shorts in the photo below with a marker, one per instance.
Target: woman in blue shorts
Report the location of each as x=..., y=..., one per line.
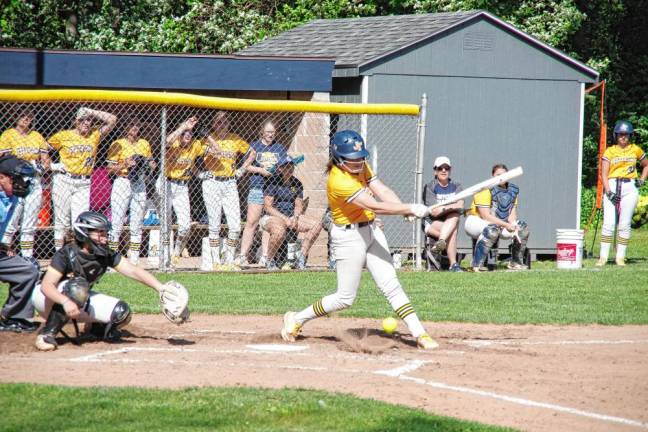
x=268, y=153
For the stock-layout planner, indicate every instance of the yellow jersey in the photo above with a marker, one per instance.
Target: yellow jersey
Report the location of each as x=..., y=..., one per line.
x=220, y=159
x=123, y=149
x=27, y=147
x=180, y=159
x=341, y=188
x=483, y=199
x=623, y=162
x=76, y=151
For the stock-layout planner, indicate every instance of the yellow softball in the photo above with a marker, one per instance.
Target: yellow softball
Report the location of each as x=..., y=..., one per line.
x=389, y=325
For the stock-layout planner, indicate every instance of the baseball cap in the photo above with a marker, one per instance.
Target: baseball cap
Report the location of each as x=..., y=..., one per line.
x=286, y=160
x=442, y=160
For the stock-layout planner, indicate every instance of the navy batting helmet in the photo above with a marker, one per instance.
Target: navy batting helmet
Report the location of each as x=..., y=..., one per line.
x=622, y=127
x=91, y=221
x=348, y=144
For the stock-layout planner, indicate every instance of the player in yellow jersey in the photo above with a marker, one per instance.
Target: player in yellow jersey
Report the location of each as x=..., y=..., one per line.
x=493, y=215
x=357, y=240
x=221, y=150
x=27, y=144
x=129, y=159
x=77, y=149
x=181, y=153
x=620, y=183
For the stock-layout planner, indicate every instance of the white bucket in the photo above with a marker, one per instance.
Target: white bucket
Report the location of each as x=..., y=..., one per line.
x=569, y=248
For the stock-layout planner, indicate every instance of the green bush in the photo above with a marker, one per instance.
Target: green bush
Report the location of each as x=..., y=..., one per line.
x=588, y=200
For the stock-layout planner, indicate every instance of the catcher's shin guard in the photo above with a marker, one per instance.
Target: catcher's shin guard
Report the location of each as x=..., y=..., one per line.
x=485, y=242
x=120, y=317
x=46, y=339
x=519, y=246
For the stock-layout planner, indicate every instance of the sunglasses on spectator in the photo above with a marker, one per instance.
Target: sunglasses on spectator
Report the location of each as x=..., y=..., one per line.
x=443, y=168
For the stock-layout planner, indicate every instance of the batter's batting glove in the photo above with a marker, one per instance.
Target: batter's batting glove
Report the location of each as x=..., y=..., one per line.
x=613, y=197
x=420, y=210
x=58, y=167
x=639, y=182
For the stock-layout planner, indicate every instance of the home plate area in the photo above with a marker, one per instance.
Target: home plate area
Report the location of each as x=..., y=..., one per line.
x=539, y=378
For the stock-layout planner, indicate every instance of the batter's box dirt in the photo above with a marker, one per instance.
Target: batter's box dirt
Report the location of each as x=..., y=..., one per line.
x=539, y=378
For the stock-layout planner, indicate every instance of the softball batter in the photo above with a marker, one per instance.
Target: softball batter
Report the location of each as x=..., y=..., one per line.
x=28, y=145
x=181, y=155
x=356, y=240
x=220, y=151
x=620, y=182
x=126, y=158
x=77, y=149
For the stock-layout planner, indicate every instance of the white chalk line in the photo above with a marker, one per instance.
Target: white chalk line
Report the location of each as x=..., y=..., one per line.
x=526, y=402
x=478, y=343
x=408, y=367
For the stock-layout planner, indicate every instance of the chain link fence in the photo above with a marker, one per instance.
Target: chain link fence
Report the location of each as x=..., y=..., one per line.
x=190, y=188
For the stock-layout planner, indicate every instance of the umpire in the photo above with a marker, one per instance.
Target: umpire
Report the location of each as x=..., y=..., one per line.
x=21, y=275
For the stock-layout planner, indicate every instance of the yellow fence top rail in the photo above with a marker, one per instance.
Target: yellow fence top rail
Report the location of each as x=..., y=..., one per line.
x=197, y=101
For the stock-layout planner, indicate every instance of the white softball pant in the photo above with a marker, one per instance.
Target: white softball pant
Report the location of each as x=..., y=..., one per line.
x=178, y=199
x=629, y=198
x=70, y=197
x=25, y=218
x=474, y=226
x=221, y=196
x=127, y=195
x=100, y=306
x=352, y=248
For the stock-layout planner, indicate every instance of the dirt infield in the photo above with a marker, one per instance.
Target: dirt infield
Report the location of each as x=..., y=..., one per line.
x=538, y=378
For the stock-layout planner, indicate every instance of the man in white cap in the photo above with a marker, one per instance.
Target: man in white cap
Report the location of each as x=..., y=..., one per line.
x=442, y=223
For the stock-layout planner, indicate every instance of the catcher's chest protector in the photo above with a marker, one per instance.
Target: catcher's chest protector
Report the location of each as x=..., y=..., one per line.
x=79, y=263
x=503, y=200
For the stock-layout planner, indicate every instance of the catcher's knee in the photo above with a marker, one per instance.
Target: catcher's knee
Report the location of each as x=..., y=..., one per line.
x=490, y=234
x=121, y=315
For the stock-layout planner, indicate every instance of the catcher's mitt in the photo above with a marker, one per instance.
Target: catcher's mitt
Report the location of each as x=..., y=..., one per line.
x=173, y=302
x=78, y=290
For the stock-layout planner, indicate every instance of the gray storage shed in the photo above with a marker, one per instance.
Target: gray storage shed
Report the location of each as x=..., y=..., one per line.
x=495, y=94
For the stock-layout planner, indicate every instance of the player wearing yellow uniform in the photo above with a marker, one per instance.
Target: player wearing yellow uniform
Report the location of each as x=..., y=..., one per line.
x=620, y=183
x=493, y=215
x=356, y=240
x=181, y=153
x=220, y=152
x=129, y=159
x=26, y=144
x=77, y=149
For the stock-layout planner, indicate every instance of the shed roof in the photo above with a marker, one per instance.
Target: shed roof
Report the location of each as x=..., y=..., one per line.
x=359, y=42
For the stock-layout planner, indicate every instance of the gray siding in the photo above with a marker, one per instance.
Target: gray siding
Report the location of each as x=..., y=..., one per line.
x=478, y=50
x=478, y=122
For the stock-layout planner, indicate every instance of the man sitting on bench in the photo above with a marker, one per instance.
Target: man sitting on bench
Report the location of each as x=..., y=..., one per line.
x=442, y=223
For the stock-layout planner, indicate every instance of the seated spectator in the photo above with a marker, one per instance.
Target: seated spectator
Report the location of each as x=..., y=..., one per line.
x=284, y=210
x=443, y=222
x=493, y=215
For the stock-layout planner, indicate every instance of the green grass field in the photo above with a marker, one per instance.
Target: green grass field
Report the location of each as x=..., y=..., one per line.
x=53, y=408
x=611, y=296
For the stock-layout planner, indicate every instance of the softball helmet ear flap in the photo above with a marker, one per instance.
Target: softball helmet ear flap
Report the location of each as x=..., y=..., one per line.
x=347, y=144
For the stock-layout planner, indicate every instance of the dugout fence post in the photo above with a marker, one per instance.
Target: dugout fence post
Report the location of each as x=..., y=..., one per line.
x=165, y=243
x=420, y=153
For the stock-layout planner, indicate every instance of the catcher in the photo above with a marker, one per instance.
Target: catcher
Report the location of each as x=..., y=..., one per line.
x=66, y=290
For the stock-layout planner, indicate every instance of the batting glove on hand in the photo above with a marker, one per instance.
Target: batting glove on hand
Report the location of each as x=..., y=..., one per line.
x=613, y=197
x=239, y=172
x=420, y=210
x=202, y=175
x=639, y=182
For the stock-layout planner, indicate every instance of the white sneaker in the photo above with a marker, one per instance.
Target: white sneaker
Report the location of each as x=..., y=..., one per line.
x=241, y=260
x=263, y=261
x=45, y=342
x=620, y=262
x=291, y=328
x=426, y=342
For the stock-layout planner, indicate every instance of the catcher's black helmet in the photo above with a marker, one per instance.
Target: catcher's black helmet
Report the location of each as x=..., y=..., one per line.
x=91, y=221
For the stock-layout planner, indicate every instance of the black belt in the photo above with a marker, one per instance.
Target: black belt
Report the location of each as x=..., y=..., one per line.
x=623, y=180
x=356, y=225
x=177, y=181
x=219, y=178
x=78, y=177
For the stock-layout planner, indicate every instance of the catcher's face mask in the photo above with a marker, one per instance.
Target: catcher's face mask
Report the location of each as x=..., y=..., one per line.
x=22, y=179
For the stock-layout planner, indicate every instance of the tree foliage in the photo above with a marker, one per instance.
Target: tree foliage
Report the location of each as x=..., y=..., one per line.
x=609, y=35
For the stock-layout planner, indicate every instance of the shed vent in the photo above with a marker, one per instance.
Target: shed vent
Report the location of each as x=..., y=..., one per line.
x=479, y=41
